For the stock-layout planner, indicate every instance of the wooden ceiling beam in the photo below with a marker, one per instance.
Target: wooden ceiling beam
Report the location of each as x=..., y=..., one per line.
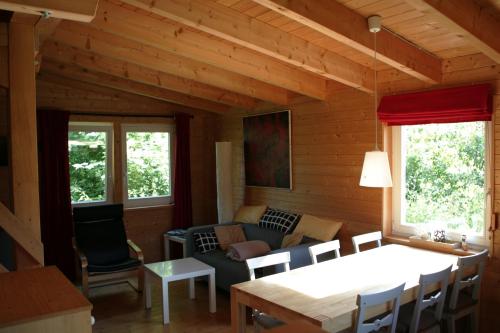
x=351, y=29
x=238, y=28
x=79, y=10
x=100, y=42
x=179, y=39
x=468, y=19
x=98, y=63
x=110, y=93
x=74, y=72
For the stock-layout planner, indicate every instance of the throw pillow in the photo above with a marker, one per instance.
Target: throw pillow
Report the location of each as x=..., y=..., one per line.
x=205, y=241
x=249, y=214
x=291, y=240
x=229, y=234
x=280, y=220
x=320, y=229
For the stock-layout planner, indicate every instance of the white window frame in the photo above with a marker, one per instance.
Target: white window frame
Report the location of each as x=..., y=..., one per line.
x=81, y=126
x=151, y=201
x=398, y=191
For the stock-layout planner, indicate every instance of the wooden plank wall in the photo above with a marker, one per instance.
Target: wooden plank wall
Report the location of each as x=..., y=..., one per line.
x=328, y=144
x=326, y=162
x=145, y=226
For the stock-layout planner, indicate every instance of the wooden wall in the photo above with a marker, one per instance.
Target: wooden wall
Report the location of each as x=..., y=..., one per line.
x=328, y=143
x=145, y=226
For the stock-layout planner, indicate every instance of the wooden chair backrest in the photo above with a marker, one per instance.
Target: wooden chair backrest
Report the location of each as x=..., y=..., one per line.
x=474, y=281
x=367, y=300
x=375, y=236
x=442, y=277
x=321, y=248
x=282, y=258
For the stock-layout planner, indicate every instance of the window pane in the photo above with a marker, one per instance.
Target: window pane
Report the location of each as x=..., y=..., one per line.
x=148, y=164
x=445, y=175
x=87, y=166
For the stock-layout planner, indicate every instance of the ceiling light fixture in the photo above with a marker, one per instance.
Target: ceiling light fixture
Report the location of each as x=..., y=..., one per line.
x=376, y=171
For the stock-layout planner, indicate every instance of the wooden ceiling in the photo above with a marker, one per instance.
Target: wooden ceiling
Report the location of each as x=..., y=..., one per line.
x=225, y=55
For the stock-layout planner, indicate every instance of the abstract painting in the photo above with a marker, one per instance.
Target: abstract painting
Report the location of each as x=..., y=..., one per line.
x=267, y=150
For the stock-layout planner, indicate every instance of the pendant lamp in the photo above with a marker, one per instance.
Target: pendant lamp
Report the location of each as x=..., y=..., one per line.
x=376, y=171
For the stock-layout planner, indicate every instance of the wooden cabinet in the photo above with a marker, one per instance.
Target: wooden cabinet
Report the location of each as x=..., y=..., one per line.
x=42, y=300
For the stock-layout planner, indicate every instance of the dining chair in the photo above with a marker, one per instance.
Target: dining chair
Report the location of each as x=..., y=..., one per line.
x=464, y=297
x=417, y=316
x=260, y=319
x=375, y=236
x=388, y=320
x=321, y=248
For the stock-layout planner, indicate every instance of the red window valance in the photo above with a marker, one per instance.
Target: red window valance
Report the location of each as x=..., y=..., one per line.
x=452, y=105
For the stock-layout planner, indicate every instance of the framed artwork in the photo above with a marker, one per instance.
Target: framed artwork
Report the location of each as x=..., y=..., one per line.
x=267, y=150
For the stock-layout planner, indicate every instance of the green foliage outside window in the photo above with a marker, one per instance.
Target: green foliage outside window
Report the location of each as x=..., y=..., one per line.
x=445, y=175
x=87, y=166
x=148, y=164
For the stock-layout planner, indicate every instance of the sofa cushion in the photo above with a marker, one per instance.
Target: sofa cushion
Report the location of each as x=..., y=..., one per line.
x=317, y=228
x=279, y=220
x=229, y=234
x=292, y=240
x=249, y=214
x=205, y=241
x=271, y=237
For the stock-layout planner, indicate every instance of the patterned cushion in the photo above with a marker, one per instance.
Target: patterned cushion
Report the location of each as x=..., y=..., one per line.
x=278, y=220
x=205, y=241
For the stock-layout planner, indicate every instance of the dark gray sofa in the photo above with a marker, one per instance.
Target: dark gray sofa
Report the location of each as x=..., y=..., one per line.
x=227, y=271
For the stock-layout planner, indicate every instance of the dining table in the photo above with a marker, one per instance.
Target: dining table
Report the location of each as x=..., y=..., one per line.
x=325, y=294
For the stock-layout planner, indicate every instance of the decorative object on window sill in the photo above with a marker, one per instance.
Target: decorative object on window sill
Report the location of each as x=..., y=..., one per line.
x=376, y=171
x=440, y=235
x=447, y=246
x=464, y=244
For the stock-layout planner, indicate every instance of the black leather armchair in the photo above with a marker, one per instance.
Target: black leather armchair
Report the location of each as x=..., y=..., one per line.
x=102, y=248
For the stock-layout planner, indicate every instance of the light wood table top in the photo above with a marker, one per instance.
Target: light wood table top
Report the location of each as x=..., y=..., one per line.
x=37, y=293
x=325, y=294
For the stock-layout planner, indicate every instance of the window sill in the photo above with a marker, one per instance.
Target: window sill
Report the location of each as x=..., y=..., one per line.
x=165, y=206
x=395, y=239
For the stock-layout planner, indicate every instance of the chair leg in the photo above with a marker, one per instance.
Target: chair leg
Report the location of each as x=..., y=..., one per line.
x=85, y=283
x=474, y=321
x=450, y=325
x=140, y=279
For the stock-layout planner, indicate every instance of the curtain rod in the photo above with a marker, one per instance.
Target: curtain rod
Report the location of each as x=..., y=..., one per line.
x=124, y=115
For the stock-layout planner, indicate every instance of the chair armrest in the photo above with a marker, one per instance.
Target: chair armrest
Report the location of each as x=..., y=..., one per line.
x=136, y=249
x=80, y=255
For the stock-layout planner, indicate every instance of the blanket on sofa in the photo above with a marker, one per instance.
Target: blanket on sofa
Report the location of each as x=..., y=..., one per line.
x=246, y=250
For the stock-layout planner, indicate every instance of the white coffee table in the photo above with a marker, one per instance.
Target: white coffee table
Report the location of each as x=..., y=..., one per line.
x=174, y=270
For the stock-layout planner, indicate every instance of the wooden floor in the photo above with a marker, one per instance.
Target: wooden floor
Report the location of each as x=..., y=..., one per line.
x=119, y=308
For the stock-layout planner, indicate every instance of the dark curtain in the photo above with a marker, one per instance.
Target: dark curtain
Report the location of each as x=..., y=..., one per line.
x=450, y=105
x=55, y=197
x=183, y=215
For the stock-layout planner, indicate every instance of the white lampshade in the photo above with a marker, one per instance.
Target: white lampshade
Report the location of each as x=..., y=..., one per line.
x=376, y=171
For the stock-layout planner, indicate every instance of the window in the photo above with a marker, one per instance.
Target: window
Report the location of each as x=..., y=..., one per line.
x=147, y=168
x=441, y=179
x=89, y=146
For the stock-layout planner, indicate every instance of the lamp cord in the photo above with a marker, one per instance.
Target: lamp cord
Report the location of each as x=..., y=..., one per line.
x=375, y=88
